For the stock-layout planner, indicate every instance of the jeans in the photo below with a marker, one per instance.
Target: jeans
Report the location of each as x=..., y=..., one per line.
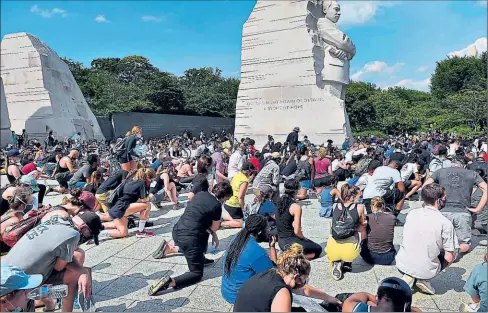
x=79, y=184
x=372, y=258
x=325, y=211
x=194, y=251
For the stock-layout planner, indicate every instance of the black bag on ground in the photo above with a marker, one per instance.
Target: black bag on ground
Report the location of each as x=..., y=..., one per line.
x=344, y=225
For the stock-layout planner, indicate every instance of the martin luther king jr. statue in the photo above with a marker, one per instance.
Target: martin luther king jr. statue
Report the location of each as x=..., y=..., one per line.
x=333, y=50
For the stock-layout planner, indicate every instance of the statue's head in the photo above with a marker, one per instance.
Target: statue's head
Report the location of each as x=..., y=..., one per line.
x=332, y=10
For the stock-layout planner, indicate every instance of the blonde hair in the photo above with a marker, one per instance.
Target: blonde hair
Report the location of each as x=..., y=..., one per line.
x=292, y=261
x=144, y=173
x=377, y=205
x=322, y=153
x=136, y=130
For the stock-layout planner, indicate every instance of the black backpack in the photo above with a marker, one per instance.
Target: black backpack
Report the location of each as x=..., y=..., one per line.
x=344, y=225
x=119, y=147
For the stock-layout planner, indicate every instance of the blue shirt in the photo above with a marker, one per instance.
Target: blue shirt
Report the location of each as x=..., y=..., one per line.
x=253, y=260
x=267, y=208
x=476, y=285
x=156, y=164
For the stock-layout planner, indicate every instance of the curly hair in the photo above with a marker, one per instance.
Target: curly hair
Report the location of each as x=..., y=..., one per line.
x=292, y=261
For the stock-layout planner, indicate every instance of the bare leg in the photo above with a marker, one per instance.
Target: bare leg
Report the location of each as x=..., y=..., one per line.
x=415, y=186
x=231, y=223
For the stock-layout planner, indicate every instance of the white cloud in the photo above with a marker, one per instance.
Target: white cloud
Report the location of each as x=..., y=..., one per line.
x=360, y=12
x=422, y=85
x=422, y=68
x=376, y=67
x=151, y=18
x=474, y=49
x=48, y=13
x=100, y=18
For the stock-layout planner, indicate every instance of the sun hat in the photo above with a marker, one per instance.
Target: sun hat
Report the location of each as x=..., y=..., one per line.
x=13, y=278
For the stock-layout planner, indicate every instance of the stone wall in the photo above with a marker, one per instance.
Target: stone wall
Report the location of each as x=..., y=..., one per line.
x=41, y=93
x=158, y=125
x=5, y=132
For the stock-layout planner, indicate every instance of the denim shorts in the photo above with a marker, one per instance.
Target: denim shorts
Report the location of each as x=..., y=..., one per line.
x=306, y=184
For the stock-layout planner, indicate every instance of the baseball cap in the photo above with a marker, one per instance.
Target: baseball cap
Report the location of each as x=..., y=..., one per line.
x=13, y=278
x=275, y=155
x=92, y=220
x=29, y=180
x=13, y=153
x=296, y=129
x=89, y=200
x=398, y=284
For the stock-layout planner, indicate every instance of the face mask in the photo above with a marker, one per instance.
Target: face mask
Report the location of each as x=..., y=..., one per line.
x=15, y=309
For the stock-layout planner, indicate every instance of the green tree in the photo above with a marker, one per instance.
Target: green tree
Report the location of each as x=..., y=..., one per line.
x=361, y=110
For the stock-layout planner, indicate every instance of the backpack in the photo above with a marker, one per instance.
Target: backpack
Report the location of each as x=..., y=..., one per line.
x=344, y=225
x=362, y=166
x=481, y=167
x=119, y=147
x=438, y=162
x=13, y=233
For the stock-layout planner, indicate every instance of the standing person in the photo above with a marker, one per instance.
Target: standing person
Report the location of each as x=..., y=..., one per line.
x=459, y=184
x=429, y=241
x=218, y=159
x=289, y=223
x=378, y=247
x=49, y=141
x=191, y=233
x=128, y=154
x=305, y=172
x=236, y=161
x=348, y=229
x=235, y=204
x=15, y=139
x=292, y=139
x=131, y=198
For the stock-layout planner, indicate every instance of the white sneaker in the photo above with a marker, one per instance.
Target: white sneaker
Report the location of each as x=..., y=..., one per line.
x=425, y=287
x=472, y=307
x=409, y=280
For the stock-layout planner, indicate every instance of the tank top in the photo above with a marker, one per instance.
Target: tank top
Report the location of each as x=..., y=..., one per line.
x=236, y=183
x=321, y=167
x=362, y=307
x=252, y=297
x=326, y=199
x=60, y=169
x=11, y=178
x=284, y=223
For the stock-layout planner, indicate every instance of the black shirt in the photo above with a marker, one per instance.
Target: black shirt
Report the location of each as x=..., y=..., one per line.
x=290, y=168
x=397, y=156
x=112, y=182
x=284, y=224
x=199, y=214
x=130, y=192
x=292, y=139
x=258, y=292
x=200, y=183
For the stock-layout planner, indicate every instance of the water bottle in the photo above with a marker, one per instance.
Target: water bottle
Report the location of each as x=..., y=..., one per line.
x=51, y=292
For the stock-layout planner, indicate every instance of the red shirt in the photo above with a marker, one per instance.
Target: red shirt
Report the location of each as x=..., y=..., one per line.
x=485, y=157
x=254, y=161
x=28, y=168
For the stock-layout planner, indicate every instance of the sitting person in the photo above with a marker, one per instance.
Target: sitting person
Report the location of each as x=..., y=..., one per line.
x=378, y=247
x=65, y=170
x=80, y=201
x=163, y=187
x=340, y=167
x=393, y=295
x=476, y=286
x=204, y=168
x=305, y=172
x=364, y=180
x=429, y=241
x=328, y=195
x=14, y=287
x=235, y=204
x=289, y=223
x=290, y=275
x=245, y=257
x=348, y=230
x=131, y=198
x=83, y=174
x=185, y=172
x=323, y=168
x=410, y=175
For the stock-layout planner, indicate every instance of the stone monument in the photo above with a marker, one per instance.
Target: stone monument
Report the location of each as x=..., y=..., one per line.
x=5, y=132
x=41, y=93
x=294, y=72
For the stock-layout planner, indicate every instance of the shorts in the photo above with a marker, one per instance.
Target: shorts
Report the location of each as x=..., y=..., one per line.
x=102, y=198
x=123, y=159
x=462, y=225
x=160, y=196
x=235, y=213
x=306, y=184
x=56, y=278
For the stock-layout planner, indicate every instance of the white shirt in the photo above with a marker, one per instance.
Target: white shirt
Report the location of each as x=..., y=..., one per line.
x=236, y=161
x=407, y=171
x=426, y=232
x=484, y=147
x=383, y=179
x=335, y=165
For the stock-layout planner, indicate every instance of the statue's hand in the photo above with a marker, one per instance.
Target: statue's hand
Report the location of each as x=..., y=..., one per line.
x=338, y=53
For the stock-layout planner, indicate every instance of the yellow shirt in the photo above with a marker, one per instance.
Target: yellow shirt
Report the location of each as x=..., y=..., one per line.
x=236, y=183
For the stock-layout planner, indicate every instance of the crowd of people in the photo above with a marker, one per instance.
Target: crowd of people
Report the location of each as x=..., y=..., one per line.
x=361, y=186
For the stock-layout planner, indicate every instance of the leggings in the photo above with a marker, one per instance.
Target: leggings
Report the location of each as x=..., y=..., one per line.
x=187, y=180
x=194, y=252
x=308, y=245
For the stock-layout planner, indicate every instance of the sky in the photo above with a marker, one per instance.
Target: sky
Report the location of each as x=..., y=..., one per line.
x=398, y=42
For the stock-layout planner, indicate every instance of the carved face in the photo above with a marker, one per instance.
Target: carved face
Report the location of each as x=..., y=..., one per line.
x=332, y=11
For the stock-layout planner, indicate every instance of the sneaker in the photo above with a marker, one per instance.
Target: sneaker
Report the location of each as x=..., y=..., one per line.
x=472, y=307
x=483, y=242
x=425, y=287
x=209, y=262
x=160, y=285
x=337, y=270
x=409, y=280
x=144, y=234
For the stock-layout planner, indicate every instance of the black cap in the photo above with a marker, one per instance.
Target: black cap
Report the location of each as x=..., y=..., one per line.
x=92, y=220
x=248, y=167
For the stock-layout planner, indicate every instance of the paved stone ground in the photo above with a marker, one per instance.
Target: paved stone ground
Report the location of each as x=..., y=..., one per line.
x=123, y=270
